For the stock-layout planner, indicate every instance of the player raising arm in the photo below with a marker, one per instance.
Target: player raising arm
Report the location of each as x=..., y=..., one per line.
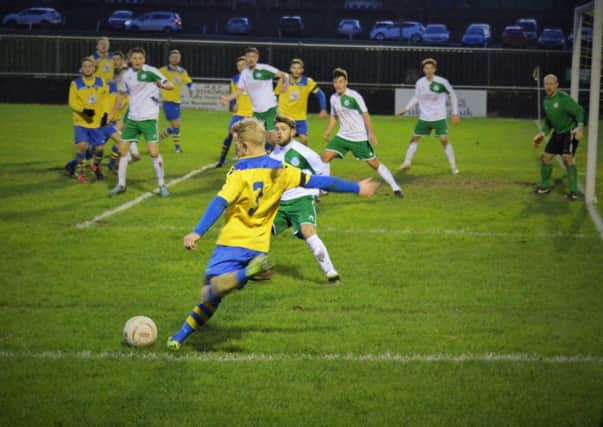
x=431, y=93
x=249, y=201
x=565, y=118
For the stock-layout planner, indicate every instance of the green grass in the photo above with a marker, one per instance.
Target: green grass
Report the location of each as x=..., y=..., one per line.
x=467, y=264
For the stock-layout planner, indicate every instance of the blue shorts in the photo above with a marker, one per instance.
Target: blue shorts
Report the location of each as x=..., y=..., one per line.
x=96, y=136
x=234, y=119
x=301, y=127
x=228, y=259
x=171, y=110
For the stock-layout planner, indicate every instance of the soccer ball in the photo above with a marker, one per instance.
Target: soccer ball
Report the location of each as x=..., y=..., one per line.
x=140, y=331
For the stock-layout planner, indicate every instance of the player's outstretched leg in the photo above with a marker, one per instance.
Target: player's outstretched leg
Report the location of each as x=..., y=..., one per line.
x=81, y=162
x=386, y=175
x=216, y=288
x=320, y=252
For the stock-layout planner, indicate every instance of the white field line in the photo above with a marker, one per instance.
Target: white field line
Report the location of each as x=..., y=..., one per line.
x=299, y=357
x=594, y=213
x=404, y=231
x=141, y=198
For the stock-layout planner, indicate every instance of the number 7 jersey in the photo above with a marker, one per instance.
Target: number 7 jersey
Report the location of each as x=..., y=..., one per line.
x=253, y=190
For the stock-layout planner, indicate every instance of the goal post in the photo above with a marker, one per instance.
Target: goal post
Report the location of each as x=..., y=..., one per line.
x=586, y=60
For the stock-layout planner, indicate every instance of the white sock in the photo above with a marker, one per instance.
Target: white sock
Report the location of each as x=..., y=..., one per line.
x=322, y=255
x=412, y=148
x=129, y=157
x=387, y=176
x=450, y=154
x=327, y=169
x=134, y=149
x=158, y=165
x=122, y=169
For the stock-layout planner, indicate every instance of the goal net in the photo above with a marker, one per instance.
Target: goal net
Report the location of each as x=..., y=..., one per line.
x=586, y=89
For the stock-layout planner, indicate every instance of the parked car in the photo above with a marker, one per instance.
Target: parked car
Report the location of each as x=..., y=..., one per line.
x=410, y=31
x=477, y=34
x=238, y=25
x=118, y=19
x=155, y=21
x=380, y=25
x=514, y=36
x=530, y=28
x=363, y=4
x=349, y=28
x=436, y=34
x=291, y=26
x=552, y=38
x=45, y=17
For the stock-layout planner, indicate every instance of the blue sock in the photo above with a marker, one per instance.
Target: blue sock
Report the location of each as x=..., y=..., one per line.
x=199, y=316
x=183, y=333
x=225, y=147
x=242, y=277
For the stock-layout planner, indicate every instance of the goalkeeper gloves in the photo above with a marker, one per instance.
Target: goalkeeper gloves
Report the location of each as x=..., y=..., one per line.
x=88, y=112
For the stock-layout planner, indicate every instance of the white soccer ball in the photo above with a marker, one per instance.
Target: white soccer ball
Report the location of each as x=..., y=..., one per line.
x=140, y=331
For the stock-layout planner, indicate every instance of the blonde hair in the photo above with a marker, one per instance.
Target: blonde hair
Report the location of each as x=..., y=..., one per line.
x=429, y=61
x=249, y=130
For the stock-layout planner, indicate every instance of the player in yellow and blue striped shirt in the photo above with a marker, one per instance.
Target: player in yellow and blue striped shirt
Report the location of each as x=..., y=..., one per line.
x=241, y=108
x=172, y=98
x=249, y=200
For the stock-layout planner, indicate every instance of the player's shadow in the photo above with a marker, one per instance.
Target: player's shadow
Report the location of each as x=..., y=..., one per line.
x=555, y=208
x=295, y=273
x=219, y=338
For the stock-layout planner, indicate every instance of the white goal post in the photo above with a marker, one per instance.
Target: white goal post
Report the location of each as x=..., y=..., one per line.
x=589, y=14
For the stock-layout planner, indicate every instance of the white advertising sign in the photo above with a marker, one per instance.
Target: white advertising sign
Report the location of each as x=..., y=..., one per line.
x=206, y=96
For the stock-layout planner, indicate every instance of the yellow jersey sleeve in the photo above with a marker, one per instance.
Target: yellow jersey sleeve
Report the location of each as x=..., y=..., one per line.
x=293, y=177
x=186, y=78
x=75, y=102
x=232, y=187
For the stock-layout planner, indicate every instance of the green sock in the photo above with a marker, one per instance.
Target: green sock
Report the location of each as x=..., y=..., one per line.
x=545, y=174
x=572, y=177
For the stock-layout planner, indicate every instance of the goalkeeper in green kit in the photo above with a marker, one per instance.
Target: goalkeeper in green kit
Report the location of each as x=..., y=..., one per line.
x=565, y=117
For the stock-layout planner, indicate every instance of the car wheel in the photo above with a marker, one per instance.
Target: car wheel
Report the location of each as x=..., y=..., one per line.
x=134, y=28
x=11, y=24
x=167, y=30
x=415, y=38
x=380, y=36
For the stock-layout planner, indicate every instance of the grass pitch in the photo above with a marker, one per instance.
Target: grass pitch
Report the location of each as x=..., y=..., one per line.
x=463, y=267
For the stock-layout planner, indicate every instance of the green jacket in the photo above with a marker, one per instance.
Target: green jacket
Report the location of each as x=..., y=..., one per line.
x=562, y=113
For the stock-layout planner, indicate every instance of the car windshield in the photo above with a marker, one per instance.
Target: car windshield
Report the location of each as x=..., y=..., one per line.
x=122, y=14
x=529, y=26
x=551, y=32
x=476, y=31
x=435, y=29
